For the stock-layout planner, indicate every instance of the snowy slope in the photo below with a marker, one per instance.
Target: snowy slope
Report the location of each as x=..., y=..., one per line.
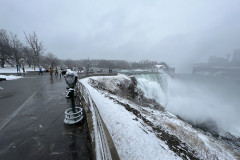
x=142, y=132
x=131, y=141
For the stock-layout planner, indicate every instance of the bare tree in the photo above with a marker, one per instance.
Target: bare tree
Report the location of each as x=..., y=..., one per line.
x=52, y=60
x=106, y=64
x=5, y=48
x=16, y=48
x=28, y=55
x=36, y=46
x=69, y=63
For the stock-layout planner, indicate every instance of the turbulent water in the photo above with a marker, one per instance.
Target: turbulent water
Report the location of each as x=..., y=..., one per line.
x=154, y=86
x=199, y=99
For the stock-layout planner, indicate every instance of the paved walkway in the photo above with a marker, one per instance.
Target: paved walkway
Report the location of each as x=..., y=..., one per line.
x=35, y=130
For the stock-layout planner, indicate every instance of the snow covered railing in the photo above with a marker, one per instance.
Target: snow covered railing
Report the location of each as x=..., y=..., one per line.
x=101, y=145
x=84, y=74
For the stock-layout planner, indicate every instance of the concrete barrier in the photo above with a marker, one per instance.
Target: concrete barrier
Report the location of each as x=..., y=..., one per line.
x=102, y=144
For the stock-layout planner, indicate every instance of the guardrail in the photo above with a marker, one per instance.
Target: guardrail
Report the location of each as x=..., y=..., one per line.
x=101, y=145
x=89, y=74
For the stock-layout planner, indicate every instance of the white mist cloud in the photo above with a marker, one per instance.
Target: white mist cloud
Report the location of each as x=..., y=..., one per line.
x=204, y=99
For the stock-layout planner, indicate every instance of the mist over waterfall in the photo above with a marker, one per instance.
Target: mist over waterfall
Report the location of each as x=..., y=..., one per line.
x=155, y=86
x=197, y=99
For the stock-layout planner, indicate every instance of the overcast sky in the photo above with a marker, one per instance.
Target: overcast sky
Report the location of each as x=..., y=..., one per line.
x=176, y=31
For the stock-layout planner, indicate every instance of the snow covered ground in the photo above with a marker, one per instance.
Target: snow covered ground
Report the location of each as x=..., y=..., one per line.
x=143, y=132
x=129, y=136
x=10, y=77
x=14, y=70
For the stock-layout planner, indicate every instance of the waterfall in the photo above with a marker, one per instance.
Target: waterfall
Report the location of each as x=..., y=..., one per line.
x=154, y=85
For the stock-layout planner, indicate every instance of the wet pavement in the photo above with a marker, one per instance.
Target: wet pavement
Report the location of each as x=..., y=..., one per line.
x=14, y=93
x=34, y=128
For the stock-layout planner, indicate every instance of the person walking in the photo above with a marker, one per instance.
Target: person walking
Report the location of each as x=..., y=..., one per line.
x=23, y=70
x=18, y=70
x=51, y=71
x=40, y=71
x=56, y=72
x=60, y=73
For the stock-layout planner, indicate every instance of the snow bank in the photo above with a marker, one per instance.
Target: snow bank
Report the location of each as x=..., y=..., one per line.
x=14, y=70
x=113, y=82
x=10, y=77
x=131, y=138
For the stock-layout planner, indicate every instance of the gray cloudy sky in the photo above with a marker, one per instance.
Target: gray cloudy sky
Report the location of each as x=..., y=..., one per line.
x=176, y=31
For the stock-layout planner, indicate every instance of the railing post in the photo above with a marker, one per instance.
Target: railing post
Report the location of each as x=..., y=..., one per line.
x=71, y=90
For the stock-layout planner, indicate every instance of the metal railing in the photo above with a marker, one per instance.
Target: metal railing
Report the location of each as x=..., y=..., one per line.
x=89, y=74
x=100, y=140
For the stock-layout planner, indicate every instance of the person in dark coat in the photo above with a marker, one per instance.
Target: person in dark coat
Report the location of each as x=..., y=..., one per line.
x=51, y=72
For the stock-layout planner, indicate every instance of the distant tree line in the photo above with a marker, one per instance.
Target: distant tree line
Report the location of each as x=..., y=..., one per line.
x=114, y=64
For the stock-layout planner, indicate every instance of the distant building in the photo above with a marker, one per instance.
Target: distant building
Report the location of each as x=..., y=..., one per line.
x=236, y=56
x=160, y=66
x=220, y=66
x=214, y=60
x=163, y=66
